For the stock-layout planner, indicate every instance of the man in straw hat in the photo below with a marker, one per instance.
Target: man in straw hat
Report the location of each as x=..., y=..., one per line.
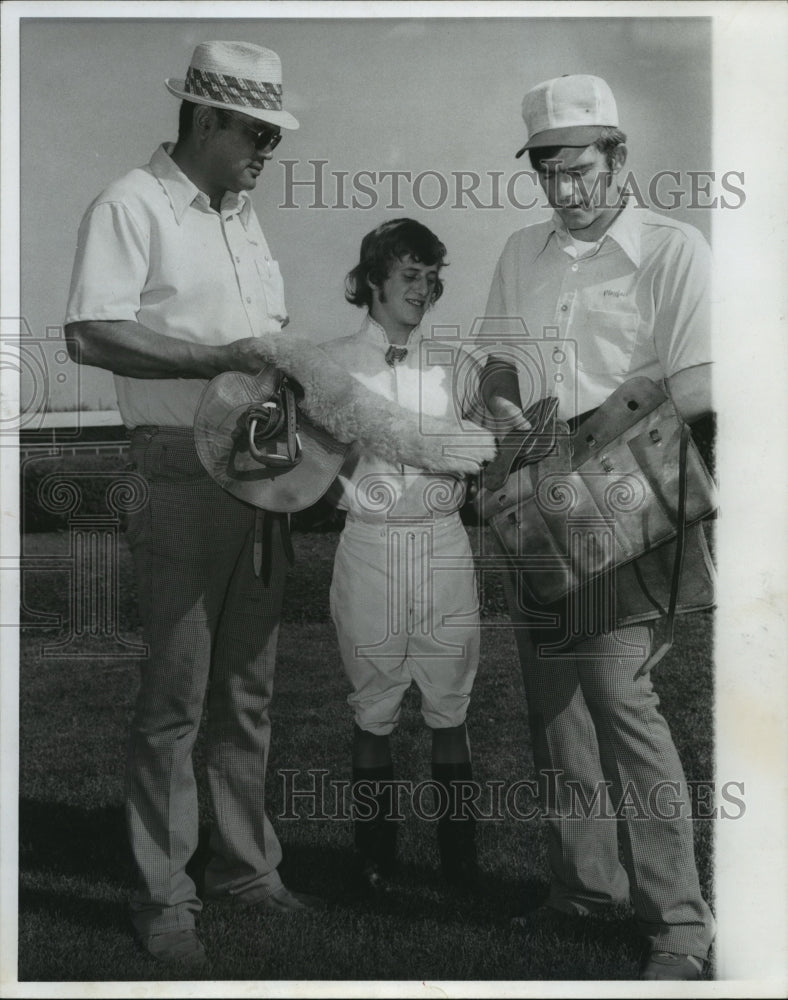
x=173, y=283
x=606, y=291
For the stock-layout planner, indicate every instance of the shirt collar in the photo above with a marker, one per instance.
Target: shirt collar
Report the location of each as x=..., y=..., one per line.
x=371, y=328
x=625, y=231
x=182, y=192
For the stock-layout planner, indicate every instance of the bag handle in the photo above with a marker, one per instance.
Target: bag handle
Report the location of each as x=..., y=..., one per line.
x=678, y=562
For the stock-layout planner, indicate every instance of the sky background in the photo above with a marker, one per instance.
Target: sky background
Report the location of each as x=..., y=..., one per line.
x=424, y=94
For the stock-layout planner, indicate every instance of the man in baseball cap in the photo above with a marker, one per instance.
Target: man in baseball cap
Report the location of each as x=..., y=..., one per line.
x=607, y=292
x=577, y=148
x=173, y=284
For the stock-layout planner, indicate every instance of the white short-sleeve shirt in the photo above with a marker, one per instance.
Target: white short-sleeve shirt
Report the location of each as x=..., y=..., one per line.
x=151, y=249
x=578, y=326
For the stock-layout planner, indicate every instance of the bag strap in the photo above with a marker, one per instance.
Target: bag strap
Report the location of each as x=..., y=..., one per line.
x=268, y=420
x=678, y=562
x=264, y=523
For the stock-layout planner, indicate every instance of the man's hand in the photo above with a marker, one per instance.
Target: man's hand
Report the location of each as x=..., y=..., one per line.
x=507, y=417
x=248, y=355
x=500, y=389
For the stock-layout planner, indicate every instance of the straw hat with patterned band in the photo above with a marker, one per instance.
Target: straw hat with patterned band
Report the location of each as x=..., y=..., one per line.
x=236, y=76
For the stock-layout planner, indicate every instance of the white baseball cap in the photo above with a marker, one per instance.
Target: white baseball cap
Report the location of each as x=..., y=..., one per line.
x=568, y=111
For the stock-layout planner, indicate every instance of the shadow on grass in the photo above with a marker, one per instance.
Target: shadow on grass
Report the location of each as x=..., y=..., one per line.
x=418, y=891
x=68, y=840
x=74, y=908
x=80, y=857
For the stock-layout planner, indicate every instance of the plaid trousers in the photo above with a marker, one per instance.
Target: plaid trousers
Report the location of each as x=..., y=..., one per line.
x=597, y=731
x=210, y=625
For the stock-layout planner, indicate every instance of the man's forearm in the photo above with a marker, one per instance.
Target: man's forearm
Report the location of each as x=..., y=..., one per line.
x=129, y=348
x=690, y=390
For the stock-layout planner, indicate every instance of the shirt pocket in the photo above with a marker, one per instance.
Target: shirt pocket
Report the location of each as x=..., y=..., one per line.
x=273, y=287
x=606, y=340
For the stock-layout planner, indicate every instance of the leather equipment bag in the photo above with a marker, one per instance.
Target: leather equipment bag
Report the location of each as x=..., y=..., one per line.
x=570, y=508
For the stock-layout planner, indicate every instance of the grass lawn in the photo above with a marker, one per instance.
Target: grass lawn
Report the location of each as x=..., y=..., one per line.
x=75, y=870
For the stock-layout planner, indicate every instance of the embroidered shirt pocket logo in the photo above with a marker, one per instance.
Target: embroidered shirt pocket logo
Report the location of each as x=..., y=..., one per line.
x=606, y=336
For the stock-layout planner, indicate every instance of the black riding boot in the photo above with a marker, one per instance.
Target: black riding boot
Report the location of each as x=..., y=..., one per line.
x=457, y=829
x=376, y=837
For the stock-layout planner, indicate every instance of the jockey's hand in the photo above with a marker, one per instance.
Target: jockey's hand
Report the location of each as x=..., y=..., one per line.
x=505, y=417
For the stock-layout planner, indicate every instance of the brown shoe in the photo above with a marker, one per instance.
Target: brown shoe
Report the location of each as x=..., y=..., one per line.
x=181, y=947
x=669, y=965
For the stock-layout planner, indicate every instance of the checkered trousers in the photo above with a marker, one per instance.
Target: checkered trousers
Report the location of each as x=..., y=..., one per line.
x=211, y=626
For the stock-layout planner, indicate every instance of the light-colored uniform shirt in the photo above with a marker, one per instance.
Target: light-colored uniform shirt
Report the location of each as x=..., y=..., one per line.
x=579, y=326
x=151, y=249
x=426, y=381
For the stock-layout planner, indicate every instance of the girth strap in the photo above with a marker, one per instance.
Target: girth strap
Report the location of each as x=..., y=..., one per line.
x=266, y=524
x=678, y=562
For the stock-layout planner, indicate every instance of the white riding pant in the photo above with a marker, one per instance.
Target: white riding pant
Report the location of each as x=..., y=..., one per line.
x=405, y=605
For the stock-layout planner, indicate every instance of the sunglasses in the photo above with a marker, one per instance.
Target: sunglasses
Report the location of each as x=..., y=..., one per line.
x=267, y=137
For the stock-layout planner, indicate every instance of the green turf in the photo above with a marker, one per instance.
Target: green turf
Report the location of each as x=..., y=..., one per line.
x=75, y=870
